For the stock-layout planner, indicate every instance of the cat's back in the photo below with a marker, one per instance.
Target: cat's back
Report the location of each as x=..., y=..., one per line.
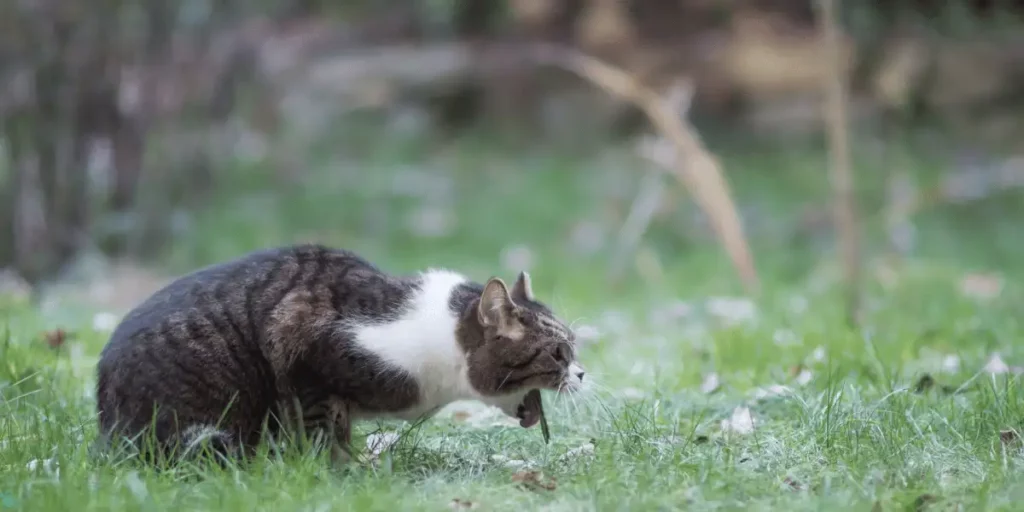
x=237, y=292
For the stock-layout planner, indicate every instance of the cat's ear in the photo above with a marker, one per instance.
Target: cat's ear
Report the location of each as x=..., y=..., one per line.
x=495, y=304
x=522, y=289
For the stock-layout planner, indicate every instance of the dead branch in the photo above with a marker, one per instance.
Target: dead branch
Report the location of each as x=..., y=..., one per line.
x=840, y=170
x=696, y=168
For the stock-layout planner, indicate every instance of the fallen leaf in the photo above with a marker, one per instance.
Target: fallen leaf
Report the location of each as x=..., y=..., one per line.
x=771, y=391
x=710, y=384
x=923, y=501
x=981, y=286
x=378, y=442
x=583, y=450
x=534, y=480
x=923, y=384
x=793, y=484
x=1009, y=436
x=460, y=416
x=741, y=422
x=457, y=504
x=996, y=365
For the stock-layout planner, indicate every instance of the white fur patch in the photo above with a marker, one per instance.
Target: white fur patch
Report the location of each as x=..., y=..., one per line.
x=422, y=342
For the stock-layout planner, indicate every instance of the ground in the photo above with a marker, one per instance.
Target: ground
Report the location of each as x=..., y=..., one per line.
x=701, y=399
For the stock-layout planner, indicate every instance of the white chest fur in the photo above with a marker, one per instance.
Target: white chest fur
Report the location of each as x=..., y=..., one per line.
x=422, y=342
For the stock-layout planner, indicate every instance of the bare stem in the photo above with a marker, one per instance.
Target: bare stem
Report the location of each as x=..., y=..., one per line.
x=840, y=170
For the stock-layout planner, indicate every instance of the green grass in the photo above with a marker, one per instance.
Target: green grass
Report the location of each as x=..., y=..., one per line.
x=856, y=436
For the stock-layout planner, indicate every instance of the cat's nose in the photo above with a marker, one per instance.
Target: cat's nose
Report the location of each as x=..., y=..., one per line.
x=579, y=375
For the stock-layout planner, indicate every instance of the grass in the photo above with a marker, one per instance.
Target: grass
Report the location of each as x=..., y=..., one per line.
x=856, y=436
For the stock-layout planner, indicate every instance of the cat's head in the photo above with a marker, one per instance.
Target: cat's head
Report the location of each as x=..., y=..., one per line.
x=516, y=344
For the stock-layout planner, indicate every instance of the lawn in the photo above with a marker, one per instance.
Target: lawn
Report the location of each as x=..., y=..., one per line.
x=700, y=399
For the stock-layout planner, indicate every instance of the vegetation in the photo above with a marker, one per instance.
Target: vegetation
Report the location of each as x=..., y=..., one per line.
x=859, y=428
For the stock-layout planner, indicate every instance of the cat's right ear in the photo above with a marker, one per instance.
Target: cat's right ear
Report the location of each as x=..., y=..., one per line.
x=495, y=303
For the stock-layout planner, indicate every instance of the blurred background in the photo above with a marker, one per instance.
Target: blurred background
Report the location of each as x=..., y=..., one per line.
x=142, y=139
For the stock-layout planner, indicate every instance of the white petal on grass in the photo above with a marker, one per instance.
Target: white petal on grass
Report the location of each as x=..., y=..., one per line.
x=584, y=450
x=818, y=355
x=741, y=422
x=772, y=391
x=710, y=384
x=996, y=365
x=732, y=310
x=378, y=442
x=804, y=377
x=49, y=466
x=951, y=363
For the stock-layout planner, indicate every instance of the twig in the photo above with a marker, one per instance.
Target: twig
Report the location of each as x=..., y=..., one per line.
x=840, y=170
x=696, y=168
x=645, y=204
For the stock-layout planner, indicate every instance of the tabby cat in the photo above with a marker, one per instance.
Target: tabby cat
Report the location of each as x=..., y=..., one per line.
x=230, y=352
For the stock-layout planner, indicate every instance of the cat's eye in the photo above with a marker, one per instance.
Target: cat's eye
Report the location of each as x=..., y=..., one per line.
x=561, y=354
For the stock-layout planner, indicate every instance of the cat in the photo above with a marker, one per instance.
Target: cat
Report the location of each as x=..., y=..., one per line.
x=230, y=352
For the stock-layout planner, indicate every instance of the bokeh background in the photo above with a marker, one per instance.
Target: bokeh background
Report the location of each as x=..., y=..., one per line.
x=142, y=139
x=680, y=201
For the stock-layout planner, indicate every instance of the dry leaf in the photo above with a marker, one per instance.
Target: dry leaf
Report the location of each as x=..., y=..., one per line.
x=534, y=480
x=923, y=501
x=457, y=504
x=741, y=422
x=996, y=365
x=56, y=338
x=793, y=484
x=710, y=384
x=583, y=450
x=1008, y=436
x=695, y=167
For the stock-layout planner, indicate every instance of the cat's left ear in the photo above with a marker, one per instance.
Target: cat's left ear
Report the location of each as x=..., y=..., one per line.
x=522, y=289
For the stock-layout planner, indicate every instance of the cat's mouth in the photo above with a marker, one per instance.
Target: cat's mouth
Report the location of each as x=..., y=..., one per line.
x=530, y=410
